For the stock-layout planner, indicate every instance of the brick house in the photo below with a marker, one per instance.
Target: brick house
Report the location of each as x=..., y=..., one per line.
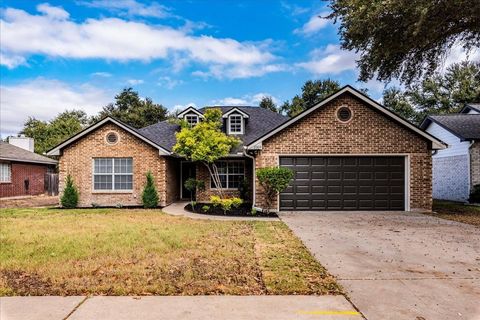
x=456, y=169
x=22, y=172
x=347, y=152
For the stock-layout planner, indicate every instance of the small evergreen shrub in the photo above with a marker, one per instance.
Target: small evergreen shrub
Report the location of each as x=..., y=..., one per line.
x=273, y=181
x=205, y=208
x=475, y=194
x=70, y=194
x=192, y=185
x=149, y=194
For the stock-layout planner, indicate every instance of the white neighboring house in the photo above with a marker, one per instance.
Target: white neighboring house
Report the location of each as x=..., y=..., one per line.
x=456, y=169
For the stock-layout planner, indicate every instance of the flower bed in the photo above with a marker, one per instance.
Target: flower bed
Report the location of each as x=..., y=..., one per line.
x=244, y=210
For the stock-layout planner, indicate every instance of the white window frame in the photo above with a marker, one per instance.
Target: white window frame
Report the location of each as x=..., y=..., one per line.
x=230, y=126
x=113, y=174
x=5, y=171
x=191, y=116
x=227, y=174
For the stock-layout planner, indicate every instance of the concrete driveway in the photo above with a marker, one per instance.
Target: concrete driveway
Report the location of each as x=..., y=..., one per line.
x=397, y=265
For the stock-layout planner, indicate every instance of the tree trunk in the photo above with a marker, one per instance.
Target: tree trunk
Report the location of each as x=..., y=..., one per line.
x=215, y=177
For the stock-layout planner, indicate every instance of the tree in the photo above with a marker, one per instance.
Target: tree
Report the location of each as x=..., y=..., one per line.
x=267, y=103
x=69, y=198
x=205, y=143
x=48, y=134
x=442, y=93
x=150, y=194
x=131, y=109
x=312, y=93
x=273, y=181
x=193, y=185
x=404, y=39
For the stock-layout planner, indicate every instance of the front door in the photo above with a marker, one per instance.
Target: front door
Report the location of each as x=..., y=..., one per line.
x=188, y=171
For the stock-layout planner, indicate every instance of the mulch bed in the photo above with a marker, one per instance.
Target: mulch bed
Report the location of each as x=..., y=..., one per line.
x=245, y=210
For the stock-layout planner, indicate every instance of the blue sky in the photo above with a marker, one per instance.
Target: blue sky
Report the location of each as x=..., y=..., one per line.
x=62, y=55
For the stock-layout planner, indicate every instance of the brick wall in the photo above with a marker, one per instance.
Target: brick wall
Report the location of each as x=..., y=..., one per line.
x=475, y=163
x=369, y=132
x=77, y=160
x=35, y=173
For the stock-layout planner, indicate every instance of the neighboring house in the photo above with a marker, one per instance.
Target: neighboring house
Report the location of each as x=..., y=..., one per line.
x=348, y=153
x=456, y=169
x=22, y=172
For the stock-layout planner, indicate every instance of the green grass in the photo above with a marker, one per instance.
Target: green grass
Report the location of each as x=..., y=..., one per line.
x=457, y=212
x=143, y=252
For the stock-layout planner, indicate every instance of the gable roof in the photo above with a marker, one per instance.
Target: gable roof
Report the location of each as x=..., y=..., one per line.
x=471, y=106
x=190, y=110
x=464, y=126
x=13, y=153
x=436, y=144
x=235, y=110
x=55, y=151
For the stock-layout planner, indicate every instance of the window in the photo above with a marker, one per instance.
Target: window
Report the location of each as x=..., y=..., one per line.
x=344, y=114
x=112, y=174
x=231, y=173
x=191, y=119
x=235, y=124
x=112, y=138
x=5, y=172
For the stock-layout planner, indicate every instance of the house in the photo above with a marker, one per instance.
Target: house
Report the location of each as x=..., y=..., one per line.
x=456, y=169
x=348, y=153
x=22, y=172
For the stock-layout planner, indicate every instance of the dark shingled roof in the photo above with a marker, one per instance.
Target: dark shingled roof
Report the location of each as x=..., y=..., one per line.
x=465, y=126
x=14, y=153
x=260, y=121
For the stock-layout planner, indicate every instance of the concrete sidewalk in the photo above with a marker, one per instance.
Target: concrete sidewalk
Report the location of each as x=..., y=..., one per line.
x=174, y=307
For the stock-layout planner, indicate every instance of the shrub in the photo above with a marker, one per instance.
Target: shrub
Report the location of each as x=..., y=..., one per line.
x=273, y=181
x=70, y=194
x=475, y=194
x=253, y=211
x=205, y=208
x=244, y=188
x=192, y=185
x=149, y=194
x=226, y=204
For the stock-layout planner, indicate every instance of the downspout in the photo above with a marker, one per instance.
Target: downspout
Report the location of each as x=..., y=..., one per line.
x=245, y=153
x=470, y=167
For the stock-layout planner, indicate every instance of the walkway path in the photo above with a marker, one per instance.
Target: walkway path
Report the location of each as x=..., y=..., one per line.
x=177, y=209
x=185, y=308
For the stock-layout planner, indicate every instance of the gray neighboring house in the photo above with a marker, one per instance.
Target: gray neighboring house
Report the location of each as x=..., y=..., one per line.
x=456, y=169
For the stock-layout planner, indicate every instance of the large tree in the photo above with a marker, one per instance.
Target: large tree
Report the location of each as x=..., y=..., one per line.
x=47, y=134
x=405, y=39
x=131, y=109
x=442, y=93
x=312, y=93
x=267, y=103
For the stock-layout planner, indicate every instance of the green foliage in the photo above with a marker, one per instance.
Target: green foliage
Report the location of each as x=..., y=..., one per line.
x=205, y=142
x=205, y=208
x=48, y=134
x=226, y=204
x=131, y=109
x=267, y=103
x=149, y=194
x=192, y=185
x=273, y=181
x=404, y=39
x=312, y=93
x=475, y=194
x=244, y=188
x=69, y=198
x=253, y=211
x=442, y=93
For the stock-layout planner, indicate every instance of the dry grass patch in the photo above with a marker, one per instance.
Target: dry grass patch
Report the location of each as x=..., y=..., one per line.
x=457, y=212
x=143, y=252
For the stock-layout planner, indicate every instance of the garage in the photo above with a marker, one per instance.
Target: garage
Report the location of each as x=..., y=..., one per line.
x=345, y=183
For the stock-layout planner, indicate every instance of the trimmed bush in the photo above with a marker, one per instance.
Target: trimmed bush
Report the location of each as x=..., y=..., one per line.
x=226, y=204
x=273, y=181
x=193, y=185
x=149, y=194
x=475, y=194
x=70, y=194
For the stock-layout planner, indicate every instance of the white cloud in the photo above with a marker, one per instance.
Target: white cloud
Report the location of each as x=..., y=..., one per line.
x=53, y=12
x=131, y=8
x=135, y=82
x=43, y=99
x=459, y=54
x=330, y=60
x=246, y=100
x=180, y=107
x=240, y=71
x=101, y=74
x=316, y=23
x=168, y=82
x=53, y=34
x=11, y=61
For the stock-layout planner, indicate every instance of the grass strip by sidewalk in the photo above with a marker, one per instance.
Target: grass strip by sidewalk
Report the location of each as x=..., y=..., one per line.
x=146, y=252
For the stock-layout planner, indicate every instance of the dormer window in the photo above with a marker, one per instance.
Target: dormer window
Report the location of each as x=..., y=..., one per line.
x=192, y=119
x=235, y=124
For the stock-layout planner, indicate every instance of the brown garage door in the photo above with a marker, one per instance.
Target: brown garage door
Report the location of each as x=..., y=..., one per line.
x=344, y=183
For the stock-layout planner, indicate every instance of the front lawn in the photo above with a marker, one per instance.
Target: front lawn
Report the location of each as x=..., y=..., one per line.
x=143, y=252
x=457, y=212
